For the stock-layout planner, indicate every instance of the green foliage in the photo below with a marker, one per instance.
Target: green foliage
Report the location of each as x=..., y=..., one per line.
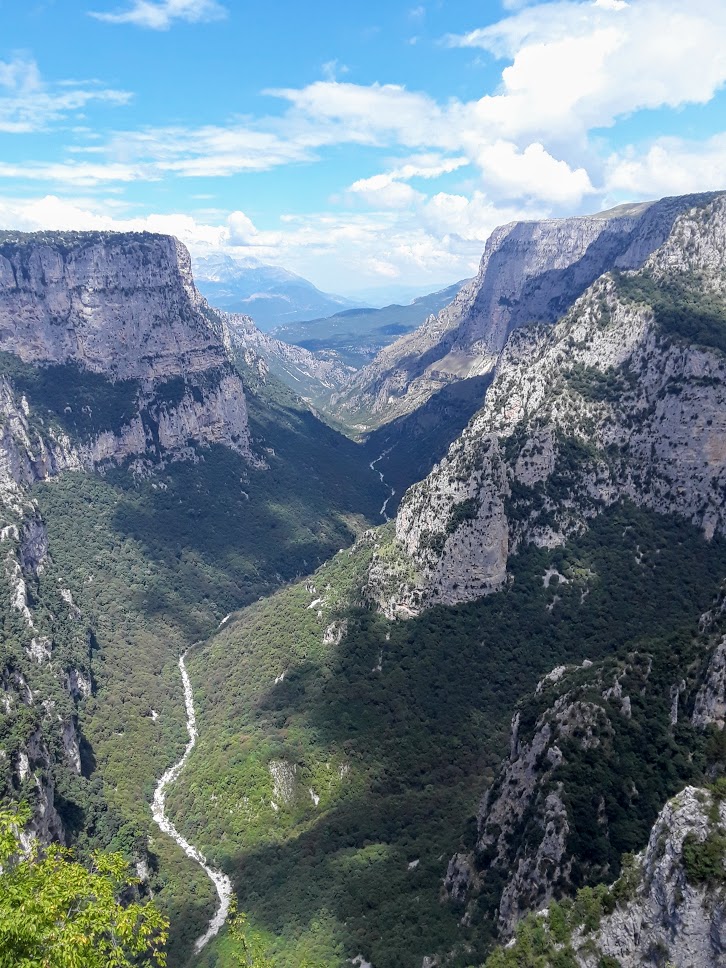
x=598, y=386
x=398, y=728
x=705, y=860
x=683, y=306
x=82, y=403
x=56, y=913
x=461, y=512
x=624, y=888
x=545, y=940
x=154, y=564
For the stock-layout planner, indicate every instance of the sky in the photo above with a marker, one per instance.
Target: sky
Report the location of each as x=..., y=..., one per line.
x=361, y=144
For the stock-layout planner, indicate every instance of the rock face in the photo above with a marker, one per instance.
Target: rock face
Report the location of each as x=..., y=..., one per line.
x=530, y=272
x=121, y=305
x=125, y=307
x=672, y=914
x=667, y=908
x=612, y=402
x=311, y=375
x=710, y=707
x=525, y=819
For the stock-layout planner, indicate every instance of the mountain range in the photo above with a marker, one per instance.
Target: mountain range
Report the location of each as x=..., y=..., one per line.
x=272, y=295
x=490, y=731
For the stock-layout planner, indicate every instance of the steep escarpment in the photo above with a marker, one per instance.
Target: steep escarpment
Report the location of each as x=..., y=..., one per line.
x=624, y=398
x=667, y=908
x=530, y=272
x=311, y=375
x=106, y=338
x=146, y=461
x=109, y=355
x=123, y=305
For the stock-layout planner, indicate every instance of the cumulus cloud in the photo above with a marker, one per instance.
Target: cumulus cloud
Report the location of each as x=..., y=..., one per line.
x=569, y=69
x=532, y=173
x=29, y=103
x=579, y=65
x=160, y=15
x=670, y=166
x=441, y=241
x=384, y=191
x=391, y=189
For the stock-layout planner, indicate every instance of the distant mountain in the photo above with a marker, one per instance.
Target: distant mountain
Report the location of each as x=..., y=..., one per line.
x=311, y=376
x=530, y=272
x=357, y=335
x=270, y=294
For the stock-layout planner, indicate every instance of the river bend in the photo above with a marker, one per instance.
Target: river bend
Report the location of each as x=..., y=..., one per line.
x=222, y=883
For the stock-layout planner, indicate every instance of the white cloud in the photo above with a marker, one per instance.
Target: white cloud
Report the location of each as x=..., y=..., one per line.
x=160, y=15
x=341, y=252
x=670, y=166
x=54, y=213
x=28, y=103
x=384, y=191
x=579, y=65
x=390, y=189
x=73, y=174
x=568, y=68
x=532, y=173
x=332, y=68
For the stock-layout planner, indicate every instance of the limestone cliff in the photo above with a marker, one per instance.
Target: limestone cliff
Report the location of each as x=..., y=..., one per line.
x=122, y=306
x=108, y=354
x=625, y=397
x=530, y=272
x=312, y=376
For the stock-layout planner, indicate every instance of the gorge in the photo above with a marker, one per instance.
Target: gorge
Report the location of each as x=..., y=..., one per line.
x=492, y=725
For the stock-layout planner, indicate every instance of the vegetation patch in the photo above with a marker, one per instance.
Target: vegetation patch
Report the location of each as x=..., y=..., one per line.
x=683, y=306
x=80, y=402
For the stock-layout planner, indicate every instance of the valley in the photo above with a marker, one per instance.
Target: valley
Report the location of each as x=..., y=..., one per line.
x=384, y=659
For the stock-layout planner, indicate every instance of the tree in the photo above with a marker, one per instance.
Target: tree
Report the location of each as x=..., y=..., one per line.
x=56, y=913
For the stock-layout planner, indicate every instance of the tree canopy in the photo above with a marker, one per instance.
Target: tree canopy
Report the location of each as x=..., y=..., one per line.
x=56, y=913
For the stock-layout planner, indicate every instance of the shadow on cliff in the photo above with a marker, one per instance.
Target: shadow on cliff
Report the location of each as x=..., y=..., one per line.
x=420, y=710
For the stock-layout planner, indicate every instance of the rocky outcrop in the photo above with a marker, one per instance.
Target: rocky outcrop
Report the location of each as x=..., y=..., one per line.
x=605, y=405
x=674, y=915
x=313, y=376
x=576, y=780
x=523, y=822
x=667, y=908
x=710, y=706
x=530, y=272
x=123, y=306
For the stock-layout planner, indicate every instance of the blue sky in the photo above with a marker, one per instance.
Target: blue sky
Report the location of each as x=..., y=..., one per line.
x=360, y=144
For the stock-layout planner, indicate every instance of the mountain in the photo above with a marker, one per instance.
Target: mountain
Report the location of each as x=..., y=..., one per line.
x=490, y=732
x=147, y=458
x=624, y=398
x=272, y=295
x=357, y=335
x=487, y=708
x=530, y=272
x=314, y=376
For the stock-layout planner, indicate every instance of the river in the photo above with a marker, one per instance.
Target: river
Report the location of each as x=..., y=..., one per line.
x=372, y=466
x=222, y=883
